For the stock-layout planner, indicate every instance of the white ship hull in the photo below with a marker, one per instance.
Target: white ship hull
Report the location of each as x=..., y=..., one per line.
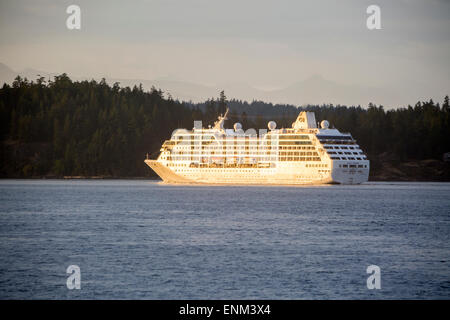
x=284, y=175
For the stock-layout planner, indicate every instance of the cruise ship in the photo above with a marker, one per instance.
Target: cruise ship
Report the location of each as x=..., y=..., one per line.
x=306, y=153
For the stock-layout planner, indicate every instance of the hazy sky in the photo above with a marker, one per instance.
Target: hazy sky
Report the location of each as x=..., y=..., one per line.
x=266, y=44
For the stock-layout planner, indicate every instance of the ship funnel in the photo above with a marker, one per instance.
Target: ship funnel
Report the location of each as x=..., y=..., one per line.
x=305, y=120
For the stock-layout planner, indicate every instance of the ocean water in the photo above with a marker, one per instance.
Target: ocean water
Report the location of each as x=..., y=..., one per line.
x=148, y=240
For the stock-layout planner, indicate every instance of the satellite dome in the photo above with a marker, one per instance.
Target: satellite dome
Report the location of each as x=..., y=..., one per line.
x=324, y=124
x=237, y=126
x=272, y=125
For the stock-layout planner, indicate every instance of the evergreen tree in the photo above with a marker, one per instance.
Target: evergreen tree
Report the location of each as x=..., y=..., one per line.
x=222, y=105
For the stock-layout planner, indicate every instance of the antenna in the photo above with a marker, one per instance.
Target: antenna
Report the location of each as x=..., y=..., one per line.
x=226, y=113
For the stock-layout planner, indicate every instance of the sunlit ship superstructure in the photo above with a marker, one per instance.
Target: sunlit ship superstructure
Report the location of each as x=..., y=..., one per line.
x=307, y=153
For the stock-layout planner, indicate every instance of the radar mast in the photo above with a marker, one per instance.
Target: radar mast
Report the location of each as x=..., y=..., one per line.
x=218, y=125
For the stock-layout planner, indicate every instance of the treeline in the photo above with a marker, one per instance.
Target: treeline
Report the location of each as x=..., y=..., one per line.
x=83, y=128
x=89, y=128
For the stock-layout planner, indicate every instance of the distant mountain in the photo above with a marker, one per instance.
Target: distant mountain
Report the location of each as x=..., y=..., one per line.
x=313, y=90
x=6, y=74
x=32, y=74
x=317, y=90
x=182, y=90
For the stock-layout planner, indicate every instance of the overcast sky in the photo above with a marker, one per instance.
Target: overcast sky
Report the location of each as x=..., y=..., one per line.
x=266, y=44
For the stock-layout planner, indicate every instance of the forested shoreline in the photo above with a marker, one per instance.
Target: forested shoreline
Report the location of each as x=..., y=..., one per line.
x=64, y=128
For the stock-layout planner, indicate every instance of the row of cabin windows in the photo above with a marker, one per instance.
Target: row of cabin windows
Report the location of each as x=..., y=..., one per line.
x=224, y=147
x=317, y=165
x=292, y=137
x=220, y=152
x=349, y=158
x=299, y=159
x=353, y=166
x=295, y=148
x=334, y=137
x=193, y=137
x=342, y=147
x=219, y=170
x=338, y=142
x=242, y=147
x=295, y=143
x=180, y=156
x=177, y=164
x=181, y=151
x=355, y=153
x=284, y=156
x=298, y=153
x=221, y=159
